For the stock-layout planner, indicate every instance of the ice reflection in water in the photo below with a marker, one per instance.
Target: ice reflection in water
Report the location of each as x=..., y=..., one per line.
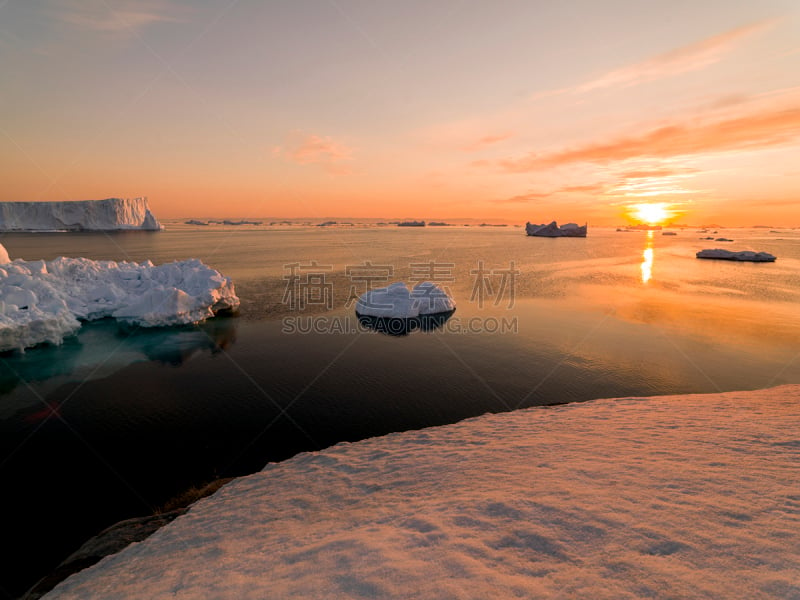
x=100, y=349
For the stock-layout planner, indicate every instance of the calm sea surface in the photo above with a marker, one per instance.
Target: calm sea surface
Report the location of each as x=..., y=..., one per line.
x=117, y=420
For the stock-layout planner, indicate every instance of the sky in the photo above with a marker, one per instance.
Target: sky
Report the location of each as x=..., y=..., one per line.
x=514, y=111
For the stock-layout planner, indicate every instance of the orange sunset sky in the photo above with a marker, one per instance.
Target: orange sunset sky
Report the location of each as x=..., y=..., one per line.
x=509, y=111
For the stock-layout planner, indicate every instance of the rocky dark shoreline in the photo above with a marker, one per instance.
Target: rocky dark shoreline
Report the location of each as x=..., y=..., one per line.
x=119, y=536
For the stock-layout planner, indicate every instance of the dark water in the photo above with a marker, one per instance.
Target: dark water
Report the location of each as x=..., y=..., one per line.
x=118, y=419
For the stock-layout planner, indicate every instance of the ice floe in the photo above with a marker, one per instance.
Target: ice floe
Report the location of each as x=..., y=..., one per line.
x=744, y=255
x=44, y=301
x=397, y=302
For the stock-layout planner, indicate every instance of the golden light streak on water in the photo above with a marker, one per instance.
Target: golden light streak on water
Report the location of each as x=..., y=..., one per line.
x=647, y=259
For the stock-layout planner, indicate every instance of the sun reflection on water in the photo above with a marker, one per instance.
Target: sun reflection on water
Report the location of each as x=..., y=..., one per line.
x=647, y=259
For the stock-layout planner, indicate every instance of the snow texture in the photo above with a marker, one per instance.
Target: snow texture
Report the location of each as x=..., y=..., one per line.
x=746, y=255
x=669, y=497
x=396, y=302
x=92, y=215
x=44, y=301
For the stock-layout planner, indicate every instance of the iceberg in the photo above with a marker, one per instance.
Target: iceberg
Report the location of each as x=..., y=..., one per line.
x=78, y=215
x=744, y=255
x=397, y=302
x=45, y=301
x=553, y=230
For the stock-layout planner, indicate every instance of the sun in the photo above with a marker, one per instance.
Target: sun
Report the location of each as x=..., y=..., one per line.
x=652, y=214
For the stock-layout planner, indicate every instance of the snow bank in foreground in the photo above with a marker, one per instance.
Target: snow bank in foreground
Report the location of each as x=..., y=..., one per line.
x=44, y=301
x=396, y=302
x=746, y=255
x=670, y=497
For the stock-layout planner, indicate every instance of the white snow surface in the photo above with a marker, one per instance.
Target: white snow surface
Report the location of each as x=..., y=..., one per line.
x=744, y=255
x=44, y=301
x=397, y=302
x=93, y=215
x=669, y=497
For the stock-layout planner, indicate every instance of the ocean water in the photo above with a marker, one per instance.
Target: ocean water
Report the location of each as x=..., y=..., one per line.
x=116, y=420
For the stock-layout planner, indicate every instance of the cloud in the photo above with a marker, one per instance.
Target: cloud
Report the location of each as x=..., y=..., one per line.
x=524, y=198
x=592, y=188
x=686, y=59
x=305, y=148
x=487, y=140
x=682, y=60
x=657, y=172
x=652, y=181
x=749, y=131
x=119, y=17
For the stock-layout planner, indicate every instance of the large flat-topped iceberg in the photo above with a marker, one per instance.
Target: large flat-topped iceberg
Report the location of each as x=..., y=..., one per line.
x=45, y=301
x=78, y=215
x=397, y=302
x=744, y=255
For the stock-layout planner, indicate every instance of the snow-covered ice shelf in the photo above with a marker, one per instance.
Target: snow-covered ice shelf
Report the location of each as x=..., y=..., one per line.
x=670, y=497
x=44, y=301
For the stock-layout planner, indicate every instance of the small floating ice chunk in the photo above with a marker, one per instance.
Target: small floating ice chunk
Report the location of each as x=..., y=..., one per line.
x=744, y=255
x=397, y=302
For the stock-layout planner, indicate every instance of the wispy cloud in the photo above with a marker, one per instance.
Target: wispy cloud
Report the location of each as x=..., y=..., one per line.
x=685, y=59
x=487, y=140
x=591, y=188
x=649, y=186
x=657, y=172
x=532, y=197
x=305, y=148
x=749, y=131
x=682, y=60
x=524, y=198
x=116, y=17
